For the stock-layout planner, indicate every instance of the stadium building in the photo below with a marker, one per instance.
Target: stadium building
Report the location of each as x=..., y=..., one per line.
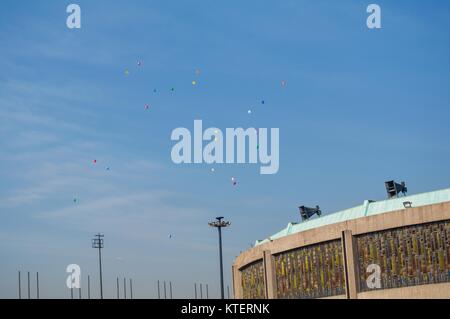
x=395, y=248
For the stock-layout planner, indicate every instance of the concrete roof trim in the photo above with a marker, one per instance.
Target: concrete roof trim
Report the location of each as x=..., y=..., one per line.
x=368, y=208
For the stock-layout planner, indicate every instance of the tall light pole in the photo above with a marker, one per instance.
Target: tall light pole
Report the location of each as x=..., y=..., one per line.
x=219, y=223
x=97, y=243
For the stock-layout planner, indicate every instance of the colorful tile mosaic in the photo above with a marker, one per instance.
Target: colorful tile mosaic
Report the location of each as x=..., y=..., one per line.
x=311, y=272
x=253, y=286
x=407, y=256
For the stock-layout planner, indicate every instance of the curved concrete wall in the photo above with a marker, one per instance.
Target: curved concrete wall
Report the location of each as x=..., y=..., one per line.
x=415, y=239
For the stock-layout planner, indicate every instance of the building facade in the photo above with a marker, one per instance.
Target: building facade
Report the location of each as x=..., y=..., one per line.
x=397, y=248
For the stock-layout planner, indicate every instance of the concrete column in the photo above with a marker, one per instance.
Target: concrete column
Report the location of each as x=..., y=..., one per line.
x=350, y=266
x=237, y=283
x=269, y=275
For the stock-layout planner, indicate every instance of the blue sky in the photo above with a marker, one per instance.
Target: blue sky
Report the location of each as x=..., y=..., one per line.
x=360, y=107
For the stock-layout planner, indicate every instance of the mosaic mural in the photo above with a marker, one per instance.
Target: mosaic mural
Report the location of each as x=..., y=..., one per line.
x=311, y=272
x=406, y=256
x=253, y=286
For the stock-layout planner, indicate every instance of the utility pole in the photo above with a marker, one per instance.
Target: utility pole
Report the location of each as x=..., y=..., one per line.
x=219, y=223
x=29, y=289
x=117, y=285
x=124, y=288
x=207, y=294
x=131, y=289
x=89, y=287
x=195, y=288
x=159, y=292
x=170, y=285
x=165, y=293
x=97, y=243
x=20, y=289
x=37, y=285
x=201, y=291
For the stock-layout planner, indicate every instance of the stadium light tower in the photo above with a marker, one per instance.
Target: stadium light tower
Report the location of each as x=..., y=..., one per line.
x=97, y=243
x=219, y=223
x=393, y=189
x=307, y=212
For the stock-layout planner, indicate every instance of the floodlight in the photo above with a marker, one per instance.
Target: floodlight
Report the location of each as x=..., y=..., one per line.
x=307, y=212
x=393, y=188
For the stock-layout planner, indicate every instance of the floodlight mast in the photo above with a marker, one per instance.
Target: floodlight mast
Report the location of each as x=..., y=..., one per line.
x=307, y=212
x=393, y=189
x=98, y=244
x=219, y=223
